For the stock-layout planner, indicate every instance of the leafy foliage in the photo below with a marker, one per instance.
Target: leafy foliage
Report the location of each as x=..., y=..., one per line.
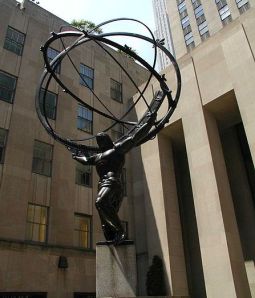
x=155, y=281
x=85, y=25
x=125, y=54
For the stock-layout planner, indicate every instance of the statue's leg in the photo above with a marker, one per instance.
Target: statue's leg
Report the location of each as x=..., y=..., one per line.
x=111, y=224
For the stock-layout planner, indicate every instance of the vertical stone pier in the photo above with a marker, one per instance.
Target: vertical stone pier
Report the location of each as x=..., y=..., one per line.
x=116, y=270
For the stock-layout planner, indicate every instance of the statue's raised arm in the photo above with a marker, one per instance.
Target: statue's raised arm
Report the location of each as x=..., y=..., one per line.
x=90, y=161
x=138, y=134
x=82, y=158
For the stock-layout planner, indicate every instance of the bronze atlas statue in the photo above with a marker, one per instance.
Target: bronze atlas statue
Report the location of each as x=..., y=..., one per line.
x=108, y=156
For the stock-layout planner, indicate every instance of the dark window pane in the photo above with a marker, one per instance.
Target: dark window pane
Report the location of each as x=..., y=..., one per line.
x=201, y=19
x=3, y=138
x=86, y=81
x=244, y=8
x=50, y=104
x=224, y=11
x=196, y=3
x=84, y=119
x=190, y=46
x=14, y=41
x=86, y=76
x=52, y=53
x=205, y=35
x=7, y=87
x=187, y=30
x=116, y=90
x=42, y=158
x=83, y=175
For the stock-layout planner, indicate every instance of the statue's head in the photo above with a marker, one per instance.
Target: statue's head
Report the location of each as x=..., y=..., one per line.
x=104, y=141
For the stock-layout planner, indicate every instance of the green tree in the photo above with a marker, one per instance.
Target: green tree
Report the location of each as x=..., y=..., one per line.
x=85, y=25
x=129, y=48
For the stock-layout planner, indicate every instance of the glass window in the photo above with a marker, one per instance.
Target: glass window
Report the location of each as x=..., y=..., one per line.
x=82, y=231
x=14, y=41
x=203, y=28
x=196, y=3
x=83, y=174
x=182, y=7
x=224, y=11
x=220, y=3
x=7, y=87
x=188, y=36
x=116, y=90
x=190, y=45
x=37, y=222
x=201, y=22
x=241, y=2
x=85, y=119
x=183, y=14
x=3, y=139
x=200, y=19
x=243, y=5
x=185, y=22
x=190, y=40
x=50, y=104
x=187, y=30
x=199, y=11
x=205, y=35
x=52, y=53
x=42, y=158
x=86, y=76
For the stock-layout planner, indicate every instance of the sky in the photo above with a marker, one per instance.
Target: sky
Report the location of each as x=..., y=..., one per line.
x=99, y=11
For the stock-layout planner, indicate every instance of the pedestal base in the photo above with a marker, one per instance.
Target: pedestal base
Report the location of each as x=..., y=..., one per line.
x=116, y=271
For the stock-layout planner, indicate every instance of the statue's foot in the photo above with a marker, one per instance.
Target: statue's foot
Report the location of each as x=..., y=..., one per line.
x=119, y=238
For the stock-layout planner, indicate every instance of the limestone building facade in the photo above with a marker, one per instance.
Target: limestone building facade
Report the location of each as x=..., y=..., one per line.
x=198, y=174
x=48, y=222
x=193, y=21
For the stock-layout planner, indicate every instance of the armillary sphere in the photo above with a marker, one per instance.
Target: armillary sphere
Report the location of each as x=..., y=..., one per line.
x=82, y=37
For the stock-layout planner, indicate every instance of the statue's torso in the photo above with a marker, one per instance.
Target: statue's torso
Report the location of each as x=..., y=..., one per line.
x=109, y=167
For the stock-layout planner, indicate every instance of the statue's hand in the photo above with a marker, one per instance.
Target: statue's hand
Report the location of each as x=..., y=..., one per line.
x=80, y=156
x=74, y=151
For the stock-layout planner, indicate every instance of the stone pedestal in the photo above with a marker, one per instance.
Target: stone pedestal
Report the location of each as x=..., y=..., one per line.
x=116, y=270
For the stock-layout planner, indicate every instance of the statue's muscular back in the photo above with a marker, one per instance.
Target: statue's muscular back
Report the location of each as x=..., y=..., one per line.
x=109, y=161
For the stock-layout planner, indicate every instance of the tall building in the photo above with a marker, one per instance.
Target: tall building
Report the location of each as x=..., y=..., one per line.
x=162, y=31
x=48, y=223
x=198, y=173
x=193, y=21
